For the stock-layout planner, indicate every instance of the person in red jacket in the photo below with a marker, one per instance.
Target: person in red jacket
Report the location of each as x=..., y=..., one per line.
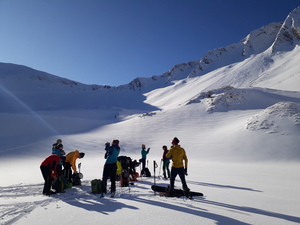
x=49, y=171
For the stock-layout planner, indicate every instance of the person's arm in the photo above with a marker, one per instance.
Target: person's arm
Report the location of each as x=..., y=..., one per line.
x=53, y=169
x=73, y=162
x=169, y=154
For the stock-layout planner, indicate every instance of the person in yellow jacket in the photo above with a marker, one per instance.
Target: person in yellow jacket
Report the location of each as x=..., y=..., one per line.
x=71, y=158
x=178, y=155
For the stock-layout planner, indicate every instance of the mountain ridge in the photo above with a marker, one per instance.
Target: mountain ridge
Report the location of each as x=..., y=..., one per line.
x=279, y=36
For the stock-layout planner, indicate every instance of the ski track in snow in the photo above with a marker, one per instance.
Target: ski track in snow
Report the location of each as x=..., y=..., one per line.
x=22, y=203
x=20, y=200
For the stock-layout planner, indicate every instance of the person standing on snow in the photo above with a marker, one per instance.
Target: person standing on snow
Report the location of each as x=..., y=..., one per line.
x=166, y=162
x=58, y=150
x=144, y=154
x=110, y=167
x=178, y=155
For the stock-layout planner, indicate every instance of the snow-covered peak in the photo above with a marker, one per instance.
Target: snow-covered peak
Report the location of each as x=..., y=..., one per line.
x=246, y=64
x=289, y=34
x=283, y=36
x=261, y=39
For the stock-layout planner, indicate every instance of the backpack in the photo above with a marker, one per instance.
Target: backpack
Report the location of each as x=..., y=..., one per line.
x=147, y=172
x=96, y=186
x=124, y=180
x=67, y=183
x=58, y=185
x=76, y=179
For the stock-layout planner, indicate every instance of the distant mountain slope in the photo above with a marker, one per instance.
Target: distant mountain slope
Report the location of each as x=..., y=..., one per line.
x=231, y=102
x=268, y=58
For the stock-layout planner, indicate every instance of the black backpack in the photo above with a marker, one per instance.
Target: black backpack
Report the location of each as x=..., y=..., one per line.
x=76, y=179
x=147, y=172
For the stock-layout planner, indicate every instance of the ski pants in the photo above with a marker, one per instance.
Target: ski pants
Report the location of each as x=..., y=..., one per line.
x=166, y=168
x=67, y=172
x=181, y=173
x=110, y=170
x=46, y=172
x=143, y=161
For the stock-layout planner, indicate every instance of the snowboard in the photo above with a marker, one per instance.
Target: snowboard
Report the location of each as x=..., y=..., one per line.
x=177, y=192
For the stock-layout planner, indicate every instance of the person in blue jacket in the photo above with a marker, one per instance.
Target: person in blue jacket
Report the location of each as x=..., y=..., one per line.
x=58, y=150
x=144, y=154
x=110, y=167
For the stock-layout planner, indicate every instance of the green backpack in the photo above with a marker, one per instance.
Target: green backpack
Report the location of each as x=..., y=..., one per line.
x=58, y=185
x=96, y=186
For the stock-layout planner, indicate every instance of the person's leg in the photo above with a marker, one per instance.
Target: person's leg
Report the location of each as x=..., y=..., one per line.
x=182, y=178
x=143, y=166
x=113, y=171
x=174, y=172
x=168, y=170
x=47, y=177
x=68, y=171
x=164, y=169
x=104, y=178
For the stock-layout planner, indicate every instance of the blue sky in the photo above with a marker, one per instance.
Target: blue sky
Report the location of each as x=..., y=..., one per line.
x=114, y=41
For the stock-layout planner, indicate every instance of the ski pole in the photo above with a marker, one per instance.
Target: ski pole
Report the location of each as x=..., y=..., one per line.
x=141, y=171
x=154, y=167
x=79, y=166
x=159, y=169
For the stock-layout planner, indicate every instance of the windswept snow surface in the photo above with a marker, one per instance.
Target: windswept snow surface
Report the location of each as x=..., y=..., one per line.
x=236, y=112
x=242, y=145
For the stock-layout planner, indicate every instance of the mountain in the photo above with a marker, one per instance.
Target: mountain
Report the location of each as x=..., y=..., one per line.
x=236, y=112
x=258, y=72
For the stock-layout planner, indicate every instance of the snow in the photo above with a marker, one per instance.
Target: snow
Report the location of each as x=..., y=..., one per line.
x=239, y=123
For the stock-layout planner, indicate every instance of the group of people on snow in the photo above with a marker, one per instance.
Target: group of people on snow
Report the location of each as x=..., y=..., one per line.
x=58, y=165
x=51, y=167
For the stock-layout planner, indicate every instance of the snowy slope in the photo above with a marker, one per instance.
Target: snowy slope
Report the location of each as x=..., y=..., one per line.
x=236, y=112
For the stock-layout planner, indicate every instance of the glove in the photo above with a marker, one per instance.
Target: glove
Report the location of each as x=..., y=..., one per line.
x=185, y=171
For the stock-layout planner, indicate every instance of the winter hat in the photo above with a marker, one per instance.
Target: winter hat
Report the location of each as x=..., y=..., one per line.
x=116, y=141
x=143, y=146
x=175, y=140
x=59, y=141
x=60, y=146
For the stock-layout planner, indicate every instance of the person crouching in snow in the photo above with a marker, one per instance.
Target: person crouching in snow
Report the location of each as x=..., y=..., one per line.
x=49, y=171
x=110, y=167
x=71, y=158
x=178, y=155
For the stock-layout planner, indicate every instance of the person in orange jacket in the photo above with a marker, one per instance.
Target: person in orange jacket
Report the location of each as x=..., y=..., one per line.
x=178, y=155
x=71, y=158
x=49, y=171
